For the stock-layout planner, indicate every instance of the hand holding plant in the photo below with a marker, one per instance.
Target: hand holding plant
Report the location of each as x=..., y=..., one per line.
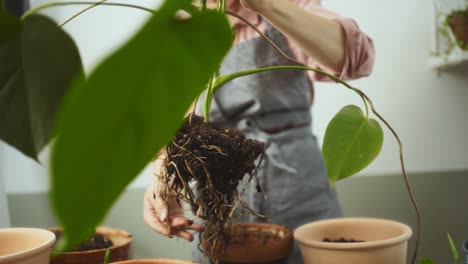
x=167, y=216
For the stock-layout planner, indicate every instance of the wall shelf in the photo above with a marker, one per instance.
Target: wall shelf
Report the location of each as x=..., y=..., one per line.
x=447, y=61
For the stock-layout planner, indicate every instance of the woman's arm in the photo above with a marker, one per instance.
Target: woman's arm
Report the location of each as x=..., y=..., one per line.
x=321, y=38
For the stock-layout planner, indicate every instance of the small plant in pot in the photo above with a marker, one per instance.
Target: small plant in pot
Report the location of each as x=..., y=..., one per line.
x=457, y=21
x=112, y=121
x=452, y=27
x=93, y=250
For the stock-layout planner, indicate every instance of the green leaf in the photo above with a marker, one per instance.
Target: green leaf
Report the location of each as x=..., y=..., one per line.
x=39, y=62
x=113, y=124
x=455, y=254
x=351, y=142
x=426, y=261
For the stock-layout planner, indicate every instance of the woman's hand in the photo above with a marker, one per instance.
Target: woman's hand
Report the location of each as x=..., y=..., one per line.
x=166, y=217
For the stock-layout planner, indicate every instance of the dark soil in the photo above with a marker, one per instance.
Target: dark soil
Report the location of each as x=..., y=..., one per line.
x=96, y=241
x=458, y=23
x=342, y=240
x=216, y=159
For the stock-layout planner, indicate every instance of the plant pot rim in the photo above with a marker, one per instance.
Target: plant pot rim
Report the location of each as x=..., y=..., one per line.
x=101, y=230
x=300, y=237
x=49, y=236
x=153, y=261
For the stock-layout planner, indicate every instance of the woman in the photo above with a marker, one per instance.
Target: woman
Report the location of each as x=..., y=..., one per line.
x=274, y=107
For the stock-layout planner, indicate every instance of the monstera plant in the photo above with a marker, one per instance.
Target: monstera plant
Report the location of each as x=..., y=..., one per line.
x=109, y=124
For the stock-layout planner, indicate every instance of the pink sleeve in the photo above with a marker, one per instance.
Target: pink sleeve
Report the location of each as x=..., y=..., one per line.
x=360, y=55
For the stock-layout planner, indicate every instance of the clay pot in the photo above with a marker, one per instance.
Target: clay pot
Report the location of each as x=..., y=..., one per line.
x=458, y=23
x=386, y=241
x=25, y=245
x=153, y=261
x=255, y=243
x=119, y=251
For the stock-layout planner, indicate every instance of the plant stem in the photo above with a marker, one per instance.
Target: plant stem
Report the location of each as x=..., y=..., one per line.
x=221, y=6
x=81, y=12
x=107, y=256
x=221, y=80
x=48, y=5
x=405, y=176
x=209, y=97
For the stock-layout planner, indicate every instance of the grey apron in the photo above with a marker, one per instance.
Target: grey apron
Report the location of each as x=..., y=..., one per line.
x=274, y=107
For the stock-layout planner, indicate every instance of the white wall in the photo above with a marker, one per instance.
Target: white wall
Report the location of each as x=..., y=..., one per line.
x=4, y=212
x=428, y=111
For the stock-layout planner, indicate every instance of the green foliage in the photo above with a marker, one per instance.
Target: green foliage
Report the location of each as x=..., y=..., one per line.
x=426, y=261
x=38, y=63
x=456, y=256
x=113, y=123
x=107, y=256
x=352, y=141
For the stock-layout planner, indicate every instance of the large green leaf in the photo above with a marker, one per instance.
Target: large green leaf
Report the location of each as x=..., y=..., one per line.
x=38, y=63
x=351, y=142
x=113, y=124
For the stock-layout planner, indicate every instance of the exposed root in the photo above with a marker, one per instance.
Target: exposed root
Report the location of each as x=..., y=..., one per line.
x=216, y=160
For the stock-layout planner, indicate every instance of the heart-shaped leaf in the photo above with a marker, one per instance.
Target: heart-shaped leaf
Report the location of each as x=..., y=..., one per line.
x=38, y=63
x=351, y=142
x=114, y=123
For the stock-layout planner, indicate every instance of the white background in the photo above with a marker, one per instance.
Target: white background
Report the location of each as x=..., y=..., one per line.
x=428, y=110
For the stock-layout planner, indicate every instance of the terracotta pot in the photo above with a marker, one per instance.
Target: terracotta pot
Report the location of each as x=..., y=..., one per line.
x=153, y=261
x=256, y=243
x=25, y=245
x=119, y=251
x=458, y=23
x=386, y=241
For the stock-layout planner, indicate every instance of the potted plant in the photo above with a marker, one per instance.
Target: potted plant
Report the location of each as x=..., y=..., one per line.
x=452, y=30
x=457, y=21
x=25, y=245
x=112, y=116
x=93, y=250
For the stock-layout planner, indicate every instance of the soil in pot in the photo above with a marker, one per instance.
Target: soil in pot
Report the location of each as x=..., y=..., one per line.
x=217, y=160
x=458, y=23
x=342, y=240
x=96, y=241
